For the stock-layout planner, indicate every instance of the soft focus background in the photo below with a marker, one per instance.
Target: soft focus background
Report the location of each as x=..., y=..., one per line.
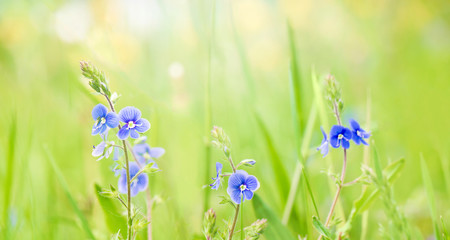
x=391, y=58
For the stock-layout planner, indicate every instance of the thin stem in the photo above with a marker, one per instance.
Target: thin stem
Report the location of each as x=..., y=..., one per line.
x=232, y=164
x=344, y=167
x=336, y=197
x=130, y=221
x=128, y=190
x=123, y=203
x=234, y=222
x=351, y=183
x=242, y=218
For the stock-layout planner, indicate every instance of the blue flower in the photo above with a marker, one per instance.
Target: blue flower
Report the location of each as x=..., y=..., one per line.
x=340, y=136
x=324, y=145
x=241, y=186
x=138, y=185
x=131, y=116
x=103, y=150
x=103, y=119
x=358, y=133
x=215, y=185
x=145, y=154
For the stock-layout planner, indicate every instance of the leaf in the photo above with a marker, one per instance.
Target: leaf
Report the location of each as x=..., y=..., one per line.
x=324, y=231
x=281, y=176
x=114, y=219
x=430, y=196
x=65, y=187
x=275, y=229
x=368, y=196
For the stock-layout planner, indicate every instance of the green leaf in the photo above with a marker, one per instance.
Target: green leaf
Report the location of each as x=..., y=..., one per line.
x=281, y=176
x=368, y=196
x=65, y=187
x=275, y=229
x=324, y=231
x=430, y=196
x=114, y=219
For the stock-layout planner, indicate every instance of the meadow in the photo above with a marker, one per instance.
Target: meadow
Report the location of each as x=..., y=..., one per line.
x=259, y=70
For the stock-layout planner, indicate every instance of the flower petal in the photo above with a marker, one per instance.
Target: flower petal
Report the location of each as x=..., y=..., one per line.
x=99, y=111
x=133, y=133
x=335, y=130
x=122, y=184
x=356, y=138
x=123, y=133
x=364, y=142
x=235, y=195
x=347, y=133
x=345, y=143
x=134, y=169
x=129, y=114
x=334, y=141
x=99, y=149
x=248, y=194
x=134, y=190
x=323, y=133
x=112, y=120
x=157, y=152
x=236, y=180
x=142, y=181
x=354, y=124
x=142, y=125
x=219, y=167
x=252, y=183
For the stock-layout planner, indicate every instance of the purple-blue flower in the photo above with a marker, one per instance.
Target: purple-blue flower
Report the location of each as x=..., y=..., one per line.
x=241, y=186
x=103, y=149
x=358, y=133
x=340, y=136
x=215, y=185
x=145, y=154
x=324, y=145
x=138, y=185
x=133, y=123
x=103, y=119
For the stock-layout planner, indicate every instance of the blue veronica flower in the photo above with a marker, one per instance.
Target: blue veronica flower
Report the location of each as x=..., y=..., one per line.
x=103, y=149
x=358, y=133
x=145, y=154
x=324, y=145
x=340, y=136
x=138, y=185
x=131, y=116
x=241, y=186
x=103, y=119
x=216, y=184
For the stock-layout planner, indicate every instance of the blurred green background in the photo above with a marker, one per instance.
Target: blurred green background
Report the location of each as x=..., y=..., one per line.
x=158, y=56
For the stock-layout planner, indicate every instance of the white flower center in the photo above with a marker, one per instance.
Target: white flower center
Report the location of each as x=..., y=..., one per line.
x=131, y=124
x=146, y=155
x=340, y=136
x=243, y=187
x=358, y=133
x=103, y=120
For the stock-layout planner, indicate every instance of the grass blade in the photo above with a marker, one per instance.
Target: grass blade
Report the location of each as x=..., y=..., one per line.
x=65, y=187
x=275, y=229
x=430, y=196
x=114, y=220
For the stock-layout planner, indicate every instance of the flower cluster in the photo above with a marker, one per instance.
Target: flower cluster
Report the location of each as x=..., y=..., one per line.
x=341, y=136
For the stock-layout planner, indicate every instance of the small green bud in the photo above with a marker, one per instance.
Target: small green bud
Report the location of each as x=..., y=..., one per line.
x=209, y=224
x=254, y=231
x=221, y=140
x=333, y=93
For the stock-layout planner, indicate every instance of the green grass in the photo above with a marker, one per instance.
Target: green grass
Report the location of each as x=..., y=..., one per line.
x=247, y=70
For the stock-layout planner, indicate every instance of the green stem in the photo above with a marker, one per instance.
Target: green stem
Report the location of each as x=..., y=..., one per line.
x=242, y=218
x=130, y=221
x=230, y=236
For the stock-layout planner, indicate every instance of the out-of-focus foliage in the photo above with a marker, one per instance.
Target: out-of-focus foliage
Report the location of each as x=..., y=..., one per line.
x=393, y=54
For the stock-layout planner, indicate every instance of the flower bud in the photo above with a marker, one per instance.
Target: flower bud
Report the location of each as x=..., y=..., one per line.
x=254, y=231
x=209, y=223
